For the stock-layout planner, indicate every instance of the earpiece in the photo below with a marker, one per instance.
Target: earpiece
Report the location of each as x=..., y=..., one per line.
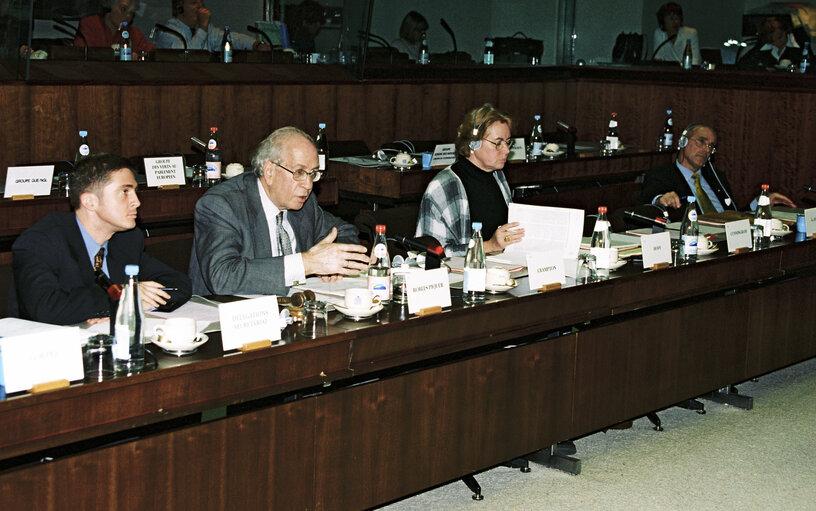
x=476, y=143
x=683, y=140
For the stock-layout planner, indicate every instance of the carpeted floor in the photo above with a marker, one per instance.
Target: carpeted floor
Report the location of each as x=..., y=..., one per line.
x=729, y=459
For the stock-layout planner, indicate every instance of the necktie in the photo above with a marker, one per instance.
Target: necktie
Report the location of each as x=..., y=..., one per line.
x=99, y=258
x=705, y=203
x=284, y=243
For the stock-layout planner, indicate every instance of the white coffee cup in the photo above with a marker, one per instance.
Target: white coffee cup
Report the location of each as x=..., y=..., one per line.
x=174, y=332
x=704, y=243
x=498, y=277
x=359, y=298
x=402, y=160
x=605, y=257
x=778, y=225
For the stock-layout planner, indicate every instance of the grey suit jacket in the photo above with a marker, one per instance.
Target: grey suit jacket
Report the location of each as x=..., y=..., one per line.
x=232, y=252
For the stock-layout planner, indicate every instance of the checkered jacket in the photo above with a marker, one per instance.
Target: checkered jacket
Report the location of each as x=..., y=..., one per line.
x=444, y=212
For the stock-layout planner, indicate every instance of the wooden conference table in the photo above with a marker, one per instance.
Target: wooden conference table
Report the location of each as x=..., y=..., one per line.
x=378, y=410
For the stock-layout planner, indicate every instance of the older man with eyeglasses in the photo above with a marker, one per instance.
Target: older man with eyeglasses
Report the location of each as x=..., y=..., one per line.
x=691, y=173
x=261, y=232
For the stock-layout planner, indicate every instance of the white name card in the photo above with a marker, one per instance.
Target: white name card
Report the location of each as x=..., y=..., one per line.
x=810, y=221
x=165, y=170
x=518, y=152
x=42, y=357
x=34, y=180
x=738, y=234
x=656, y=248
x=545, y=268
x=429, y=288
x=443, y=155
x=248, y=321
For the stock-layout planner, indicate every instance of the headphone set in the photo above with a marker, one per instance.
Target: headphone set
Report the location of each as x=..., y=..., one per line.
x=683, y=140
x=476, y=141
x=384, y=153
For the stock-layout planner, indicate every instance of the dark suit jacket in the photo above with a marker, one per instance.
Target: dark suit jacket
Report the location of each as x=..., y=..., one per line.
x=53, y=279
x=758, y=60
x=667, y=178
x=232, y=252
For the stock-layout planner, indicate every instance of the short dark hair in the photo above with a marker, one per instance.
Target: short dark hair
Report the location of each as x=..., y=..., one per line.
x=93, y=172
x=478, y=119
x=666, y=9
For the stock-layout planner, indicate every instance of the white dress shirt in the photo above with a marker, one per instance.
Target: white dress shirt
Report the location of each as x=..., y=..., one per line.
x=293, y=268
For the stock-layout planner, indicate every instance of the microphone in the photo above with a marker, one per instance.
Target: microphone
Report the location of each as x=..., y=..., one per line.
x=656, y=221
x=433, y=254
x=261, y=33
x=71, y=31
x=566, y=127
x=449, y=30
x=199, y=144
x=165, y=28
x=809, y=189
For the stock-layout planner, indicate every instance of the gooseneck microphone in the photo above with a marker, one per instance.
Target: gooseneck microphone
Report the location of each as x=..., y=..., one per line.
x=656, y=221
x=261, y=33
x=433, y=254
x=449, y=30
x=165, y=28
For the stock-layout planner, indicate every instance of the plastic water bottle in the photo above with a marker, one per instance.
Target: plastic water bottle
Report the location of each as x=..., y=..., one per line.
x=688, y=232
x=125, y=49
x=804, y=64
x=612, y=133
x=379, y=266
x=128, y=329
x=487, y=57
x=213, y=158
x=226, y=46
x=424, y=53
x=763, y=217
x=536, y=151
x=688, y=56
x=475, y=268
x=322, y=144
x=667, y=137
x=600, y=244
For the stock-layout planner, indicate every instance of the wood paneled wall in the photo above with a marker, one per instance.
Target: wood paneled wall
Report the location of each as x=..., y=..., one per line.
x=765, y=133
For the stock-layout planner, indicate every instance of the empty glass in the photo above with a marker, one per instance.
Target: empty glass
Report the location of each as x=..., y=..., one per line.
x=586, y=272
x=99, y=358
x=314, y=320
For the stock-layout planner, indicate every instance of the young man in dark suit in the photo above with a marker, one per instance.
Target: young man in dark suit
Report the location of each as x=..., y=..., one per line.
x=54, y=261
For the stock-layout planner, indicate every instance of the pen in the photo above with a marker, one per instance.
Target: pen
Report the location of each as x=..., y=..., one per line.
x=169, y=289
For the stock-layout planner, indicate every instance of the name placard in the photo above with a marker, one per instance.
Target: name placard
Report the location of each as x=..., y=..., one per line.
x=545, y=268
x=518, y=152
x=34, y=180
x=810, y=222
x=738, y=234
x=426, y=289
x=165, y=170
x=443, y=155
x=656, y=249
x=247, y=321
x=42, y=357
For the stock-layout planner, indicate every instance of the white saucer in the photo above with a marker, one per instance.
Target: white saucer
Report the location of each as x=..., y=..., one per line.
x=403, y=167
x=780, y=233
x=706, y=251
x=617, y=264
x=358, y=314
x=555, y=154
x=181, y=350
x=498, y=288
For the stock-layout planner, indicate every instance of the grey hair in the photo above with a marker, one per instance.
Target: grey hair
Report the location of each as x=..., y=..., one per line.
x=271, y=147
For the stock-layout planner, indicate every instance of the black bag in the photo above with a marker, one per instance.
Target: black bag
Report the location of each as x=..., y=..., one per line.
x=517, y=50
x=628, y=48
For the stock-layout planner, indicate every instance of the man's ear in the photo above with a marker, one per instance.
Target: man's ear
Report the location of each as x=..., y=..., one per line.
x=89, y=201
x=267, y=167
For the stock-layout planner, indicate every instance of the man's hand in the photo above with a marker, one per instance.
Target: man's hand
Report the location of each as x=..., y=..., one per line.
x=670, y=200
x=261, y=46
x=152, y=295
x=329, y=258
x=204, y=16
x=779, y=199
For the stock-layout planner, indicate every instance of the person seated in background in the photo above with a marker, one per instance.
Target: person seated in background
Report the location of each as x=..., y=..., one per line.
x=304, y=22
x=262, y=231
x=691, y=173
x=102, y=30
x=775, y=44
x=192, y=20
x=671, y=36
x=473, y=188
x=54, y=261
x=414, y=25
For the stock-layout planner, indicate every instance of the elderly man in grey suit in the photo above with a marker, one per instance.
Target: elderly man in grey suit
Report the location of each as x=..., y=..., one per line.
x=261, y=232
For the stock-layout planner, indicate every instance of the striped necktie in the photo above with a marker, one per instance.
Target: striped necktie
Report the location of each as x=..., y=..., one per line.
x=99, y=259
x=706, y=206
x=284, y=243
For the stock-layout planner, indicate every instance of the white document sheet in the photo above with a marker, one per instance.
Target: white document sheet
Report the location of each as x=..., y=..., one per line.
x=547, y=229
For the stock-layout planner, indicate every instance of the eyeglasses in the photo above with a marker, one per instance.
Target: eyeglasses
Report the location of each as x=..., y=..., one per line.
x=701, y=143
x=498, y=143
x=300, y=174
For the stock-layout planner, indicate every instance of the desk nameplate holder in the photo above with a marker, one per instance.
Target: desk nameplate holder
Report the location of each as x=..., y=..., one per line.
x=742, y=250
x=553, y=286
x=436, y=309
x=25, y=196
x=660, y=266
x=168, y=187
x=257, y=345
x=48, y=386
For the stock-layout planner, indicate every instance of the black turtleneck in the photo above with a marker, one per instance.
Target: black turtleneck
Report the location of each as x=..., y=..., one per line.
x=484, y=196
